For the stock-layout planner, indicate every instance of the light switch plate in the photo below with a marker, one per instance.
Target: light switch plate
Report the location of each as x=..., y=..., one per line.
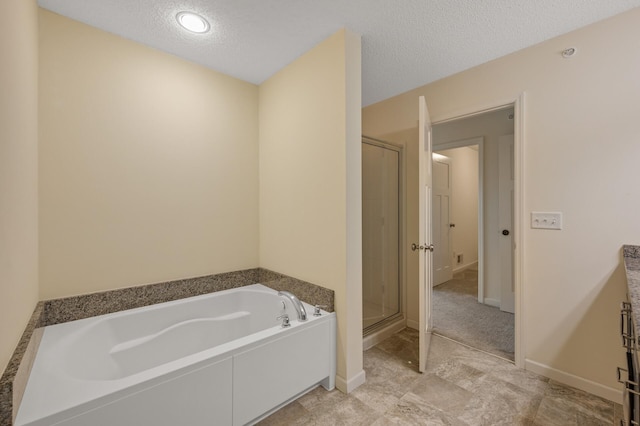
x=546, y=220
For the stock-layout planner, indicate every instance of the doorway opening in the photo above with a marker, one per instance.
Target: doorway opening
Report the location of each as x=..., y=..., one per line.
x=473, y=297
x=383, y=239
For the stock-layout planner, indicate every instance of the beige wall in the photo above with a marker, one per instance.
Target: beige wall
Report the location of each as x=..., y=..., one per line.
x=18, y=170
x=310, y=192
x=150, y=170
x=580, y=157
x=148, y=164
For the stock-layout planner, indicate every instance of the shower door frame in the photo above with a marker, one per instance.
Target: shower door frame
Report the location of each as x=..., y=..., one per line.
x=401, y=315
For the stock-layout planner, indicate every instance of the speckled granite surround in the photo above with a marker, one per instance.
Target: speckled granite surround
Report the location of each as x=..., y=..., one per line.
x=91, y=305
x=631, y=255
x=310, y=293
x=56, y=311
x=6, y=381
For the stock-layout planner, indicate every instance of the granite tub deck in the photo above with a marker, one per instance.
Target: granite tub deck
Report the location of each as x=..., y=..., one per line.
x=49, y=312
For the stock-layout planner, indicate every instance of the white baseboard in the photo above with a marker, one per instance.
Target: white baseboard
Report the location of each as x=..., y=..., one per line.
x=466, y=266
x=492, y=302
x=348, y=386
x=581, y=383
x=413, y=324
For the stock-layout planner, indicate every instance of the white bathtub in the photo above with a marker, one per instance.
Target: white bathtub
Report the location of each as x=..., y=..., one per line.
x=217, y=359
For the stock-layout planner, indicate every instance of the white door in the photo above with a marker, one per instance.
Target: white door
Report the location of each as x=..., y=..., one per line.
x=441, y=220
x=505, y=219
x=424, y=247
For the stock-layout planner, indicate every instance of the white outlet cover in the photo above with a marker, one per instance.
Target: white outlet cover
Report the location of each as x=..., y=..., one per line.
x=546, y=220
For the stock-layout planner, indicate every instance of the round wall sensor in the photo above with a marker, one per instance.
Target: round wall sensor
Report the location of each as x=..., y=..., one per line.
x=569, y=52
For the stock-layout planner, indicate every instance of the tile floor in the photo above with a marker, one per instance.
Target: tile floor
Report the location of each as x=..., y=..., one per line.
x=462, y=386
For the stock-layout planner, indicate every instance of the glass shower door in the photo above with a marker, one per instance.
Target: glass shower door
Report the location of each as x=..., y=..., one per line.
x=380, y=233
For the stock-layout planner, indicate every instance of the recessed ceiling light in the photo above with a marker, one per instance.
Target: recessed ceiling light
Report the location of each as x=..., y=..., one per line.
x=193, y=22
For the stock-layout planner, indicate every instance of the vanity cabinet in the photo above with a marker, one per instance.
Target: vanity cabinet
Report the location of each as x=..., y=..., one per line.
x=629, y=375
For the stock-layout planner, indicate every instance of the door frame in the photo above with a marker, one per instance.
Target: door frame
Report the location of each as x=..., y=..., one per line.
x=425, y=246
x=461, y=144
x=505, y=244
x=376, y=333
x=518, y=103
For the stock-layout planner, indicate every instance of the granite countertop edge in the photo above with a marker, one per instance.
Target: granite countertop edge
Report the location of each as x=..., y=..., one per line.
x=631, y=256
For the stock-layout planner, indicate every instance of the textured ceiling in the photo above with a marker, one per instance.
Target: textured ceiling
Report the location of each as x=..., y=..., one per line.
x=405, y=43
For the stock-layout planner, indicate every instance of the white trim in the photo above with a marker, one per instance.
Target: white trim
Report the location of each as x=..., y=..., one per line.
x=491, y=302
x=518, y=103
x=479, y=140
x=468, y=266
x=569, y=379
x=415, y=325
x=475, y=110
x=518, y=227
x=348, y=386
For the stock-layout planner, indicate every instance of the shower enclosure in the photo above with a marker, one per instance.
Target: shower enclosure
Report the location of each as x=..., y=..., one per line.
x=381, y=234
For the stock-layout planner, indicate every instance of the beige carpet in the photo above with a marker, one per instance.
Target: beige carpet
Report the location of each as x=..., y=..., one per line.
x=458, y=315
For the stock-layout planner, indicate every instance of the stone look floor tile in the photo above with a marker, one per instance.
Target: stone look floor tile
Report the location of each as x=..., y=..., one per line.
x=441, y=393
x=552, y=412
x=320, y=397
x=443, y=350
x=618, y=414
x=580, y=401
x=496, y=402
x=524, y=379
x=462, y=387
x=490, y=412
x=587, y=420
x=348, y=411
x=413, y=410
x=401, y=347
x=293, y=414
x=376, y=397
x=459, y=373
x=386, y=374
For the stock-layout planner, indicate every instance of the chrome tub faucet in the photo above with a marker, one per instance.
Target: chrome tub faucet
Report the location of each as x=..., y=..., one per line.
x=297, y=304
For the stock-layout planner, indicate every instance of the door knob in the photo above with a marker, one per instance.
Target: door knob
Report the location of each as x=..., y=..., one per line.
x=452, y=225
x=505, y=232
x=415, y=247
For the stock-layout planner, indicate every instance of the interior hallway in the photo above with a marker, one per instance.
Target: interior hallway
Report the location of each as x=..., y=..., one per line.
x=461, y=387
x=458, y=315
